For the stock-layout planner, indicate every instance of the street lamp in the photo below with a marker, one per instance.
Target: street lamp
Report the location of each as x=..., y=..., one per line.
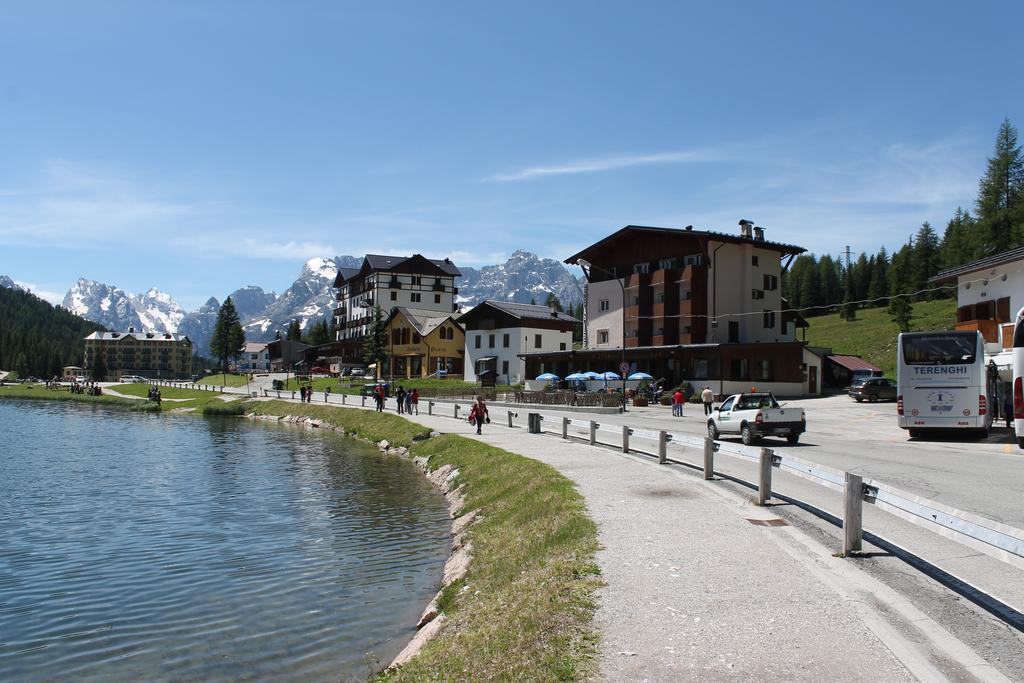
x=587, y=265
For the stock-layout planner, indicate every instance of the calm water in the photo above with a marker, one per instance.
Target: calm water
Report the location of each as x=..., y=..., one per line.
x=148, y=547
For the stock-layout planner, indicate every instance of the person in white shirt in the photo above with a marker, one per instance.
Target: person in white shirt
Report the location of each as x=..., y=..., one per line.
x=708, y=397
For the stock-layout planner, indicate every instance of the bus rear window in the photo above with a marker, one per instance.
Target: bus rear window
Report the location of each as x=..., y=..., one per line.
x=941, y=349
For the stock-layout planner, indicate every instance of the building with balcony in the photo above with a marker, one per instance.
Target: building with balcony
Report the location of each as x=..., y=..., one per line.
x=690, y=305
x=424, y=342
x=989, y=292
x=156, y=355
x=499, y=335
x=387, y=282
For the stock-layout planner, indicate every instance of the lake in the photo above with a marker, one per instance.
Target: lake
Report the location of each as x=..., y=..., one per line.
x=154, y=547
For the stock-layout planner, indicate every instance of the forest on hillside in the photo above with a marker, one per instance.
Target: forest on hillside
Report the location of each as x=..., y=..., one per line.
x=38, y=339
x=819, y=285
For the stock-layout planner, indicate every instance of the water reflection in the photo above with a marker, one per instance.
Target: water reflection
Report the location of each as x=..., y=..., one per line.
x=146, y=547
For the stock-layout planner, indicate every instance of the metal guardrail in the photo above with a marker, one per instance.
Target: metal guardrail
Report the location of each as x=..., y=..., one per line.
x=994, y=538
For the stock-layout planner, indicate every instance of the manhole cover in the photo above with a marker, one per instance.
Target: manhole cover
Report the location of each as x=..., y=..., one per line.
x=768, y=522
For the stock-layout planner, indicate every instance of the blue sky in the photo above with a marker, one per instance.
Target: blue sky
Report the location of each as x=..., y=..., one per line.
x=198, y=147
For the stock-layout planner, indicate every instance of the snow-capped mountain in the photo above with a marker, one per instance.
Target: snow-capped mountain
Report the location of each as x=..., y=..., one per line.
x=8, y=283
x=309, y=298
x=524, y=277
x=105, y=304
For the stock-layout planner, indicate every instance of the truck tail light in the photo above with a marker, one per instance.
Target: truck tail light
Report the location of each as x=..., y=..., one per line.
x=982, y=404
x=899, y=404
x=759, y=418
x=1018, y=398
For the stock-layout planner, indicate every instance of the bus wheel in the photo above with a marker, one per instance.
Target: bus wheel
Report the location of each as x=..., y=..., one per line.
x=1020, y=442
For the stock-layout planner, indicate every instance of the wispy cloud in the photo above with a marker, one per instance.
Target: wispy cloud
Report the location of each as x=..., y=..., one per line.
x=47, y=295
x=610, y=164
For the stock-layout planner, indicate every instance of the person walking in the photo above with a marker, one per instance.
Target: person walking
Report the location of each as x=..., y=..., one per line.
x=378, y=396
x=677, y=403
x=400, y=397
x=414, y=398
x=707, y=397
x=408, y=402
x=478, y=414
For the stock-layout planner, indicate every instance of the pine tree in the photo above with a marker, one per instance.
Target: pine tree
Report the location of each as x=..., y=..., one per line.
x=228, y=336
x=960, y=242
x=878, y=286
x=810, y=291
x=900, y=308
x=924, y=258
x=1000, y=201
x=98, y=372
x=294, y=331
x=375, y=343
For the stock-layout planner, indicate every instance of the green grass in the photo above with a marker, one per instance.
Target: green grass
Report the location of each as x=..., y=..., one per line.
x=223, y=380
x=527, y=612
x=365, y=423
x=873, y=334
x=209, y=402
x=345, y=385
x=39, y=392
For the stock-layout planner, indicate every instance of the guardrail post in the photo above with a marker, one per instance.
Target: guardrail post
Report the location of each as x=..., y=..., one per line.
x=510, y=419
x=709, y=458
x=430, y=407
x=279, y=394
x=626, y=431
x=853, y=510
x=456, y=411
x=344, y=399
x=662, y=447
x=593, y=433
x=764, y=476
x=293, y=395
x=364, y=400
x=565, y=427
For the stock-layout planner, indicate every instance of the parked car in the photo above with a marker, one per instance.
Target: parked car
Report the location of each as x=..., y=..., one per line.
x=755, y=415
x=318, y=370
x=358, y=372
x=874, y=389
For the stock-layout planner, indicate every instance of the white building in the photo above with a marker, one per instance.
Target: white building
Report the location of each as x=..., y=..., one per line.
x=989, y=292
x=254, y=358
x=388, y=282
x=498, y=334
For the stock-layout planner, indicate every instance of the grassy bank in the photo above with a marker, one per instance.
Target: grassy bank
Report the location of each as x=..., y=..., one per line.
x=873, y=334
x=223, y=380
x=526, y=610
x=39, y=392
x=528, y=603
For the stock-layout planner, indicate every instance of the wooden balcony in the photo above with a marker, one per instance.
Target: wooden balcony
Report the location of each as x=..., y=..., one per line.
x=989, y=329
x=1008, y=336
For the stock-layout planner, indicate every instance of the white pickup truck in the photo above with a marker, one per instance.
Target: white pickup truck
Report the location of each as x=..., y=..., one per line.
x=755, y=415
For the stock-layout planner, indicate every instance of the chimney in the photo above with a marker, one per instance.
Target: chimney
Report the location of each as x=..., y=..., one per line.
x=759, y=233
x=745, y=226
x=131, y=330
x=554, y=311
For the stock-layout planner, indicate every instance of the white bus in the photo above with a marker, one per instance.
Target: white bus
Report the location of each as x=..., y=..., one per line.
x=1018, y=373
x=943, y=382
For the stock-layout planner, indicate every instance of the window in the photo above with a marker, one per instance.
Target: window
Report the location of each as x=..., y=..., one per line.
x=504, y=367
x=765, y=370
x=394, y=296
x=769, y=320
x=641, y=268
x=727, y=406
x=536, y=341
x=753, y=260
x=602, y=336
x=415, y=296
x=604, y=305
x=417, y=279
x=505, y=340
x=757, y=293
x=437, y=298
x=693, y=260
x=771, y=282
x=479, y=338
x=667, y=263
x=561, y=346
x=490, y=341
x=415, y=338
x=660, y=298
x=700, y=368
x=739, y=369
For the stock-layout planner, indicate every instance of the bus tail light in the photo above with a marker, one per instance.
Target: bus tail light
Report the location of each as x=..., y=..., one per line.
x=899, y=404
x=1018, y=399
x=982, y=404
x=759, y=418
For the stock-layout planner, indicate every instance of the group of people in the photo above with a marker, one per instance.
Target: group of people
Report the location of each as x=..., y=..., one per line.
x=408, y=401
x=306, y=393
x=90, y=388
x=707, y=397
x=154, y=394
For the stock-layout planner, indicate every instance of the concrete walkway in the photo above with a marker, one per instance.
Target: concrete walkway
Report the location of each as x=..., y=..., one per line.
x=699, y=588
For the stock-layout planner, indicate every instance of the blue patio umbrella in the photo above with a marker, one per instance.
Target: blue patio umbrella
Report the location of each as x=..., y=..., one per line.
x=639, y=375
x=590, y=374
x=547, y=377
x=610, y=375
x=576, y=376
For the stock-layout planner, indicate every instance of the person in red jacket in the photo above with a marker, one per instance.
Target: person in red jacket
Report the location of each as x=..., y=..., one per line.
x=677, y=403
x=478, y=414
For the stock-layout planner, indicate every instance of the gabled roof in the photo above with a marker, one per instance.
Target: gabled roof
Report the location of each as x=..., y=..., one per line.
x=254, y=347
x=377, y=262
x=634, y=231
x=981, y=264
x=527, y=311
x=853, y=363
x=424, y=321
x=345, y=274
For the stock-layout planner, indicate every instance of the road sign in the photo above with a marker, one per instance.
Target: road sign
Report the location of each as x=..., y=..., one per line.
x=623, y=368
